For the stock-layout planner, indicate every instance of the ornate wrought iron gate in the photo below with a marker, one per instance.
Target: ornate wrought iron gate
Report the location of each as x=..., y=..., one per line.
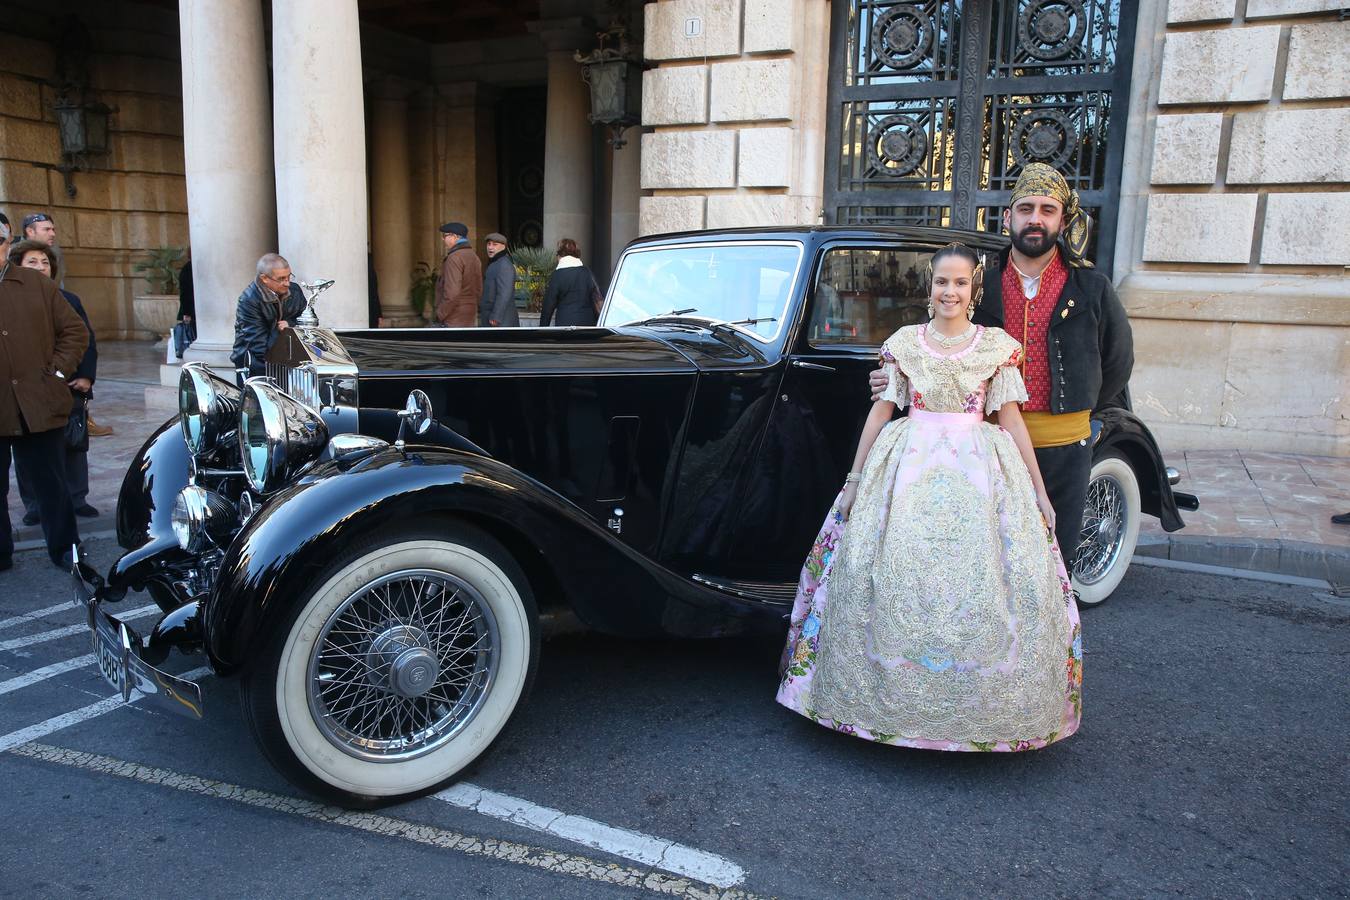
x=935, y=107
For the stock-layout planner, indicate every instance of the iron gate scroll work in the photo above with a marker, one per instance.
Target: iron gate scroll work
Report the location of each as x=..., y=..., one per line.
x=936, y=106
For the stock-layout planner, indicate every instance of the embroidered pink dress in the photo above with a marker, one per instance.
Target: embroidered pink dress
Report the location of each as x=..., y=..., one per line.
x=940, y=615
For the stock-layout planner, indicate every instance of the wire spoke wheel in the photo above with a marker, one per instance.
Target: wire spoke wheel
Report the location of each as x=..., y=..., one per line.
x=396, y=667
x=1103, y=530
x=403, y=665
x=1111, y=515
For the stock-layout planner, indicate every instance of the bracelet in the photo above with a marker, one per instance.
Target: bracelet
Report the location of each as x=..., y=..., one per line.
x=852, y=478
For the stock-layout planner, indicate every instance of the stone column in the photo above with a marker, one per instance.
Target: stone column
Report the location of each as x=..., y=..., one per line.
x=567, y=144
x=391, y=203
x=625, y=192
x=319, y=119
x=227, y=147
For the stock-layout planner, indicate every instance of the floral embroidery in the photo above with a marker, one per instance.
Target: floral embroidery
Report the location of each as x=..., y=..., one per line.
x=896, y=638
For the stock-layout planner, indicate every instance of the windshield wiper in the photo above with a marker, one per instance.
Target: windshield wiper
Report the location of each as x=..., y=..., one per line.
x=751, y=321
x=666, y=315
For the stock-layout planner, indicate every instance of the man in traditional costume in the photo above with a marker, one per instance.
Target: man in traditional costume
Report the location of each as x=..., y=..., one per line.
x=1078, y=349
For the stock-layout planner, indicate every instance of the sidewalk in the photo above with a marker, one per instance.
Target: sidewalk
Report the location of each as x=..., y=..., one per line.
x=1265, y=511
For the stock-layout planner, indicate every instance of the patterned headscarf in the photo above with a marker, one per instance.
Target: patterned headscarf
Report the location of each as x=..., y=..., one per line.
x=1040, y=180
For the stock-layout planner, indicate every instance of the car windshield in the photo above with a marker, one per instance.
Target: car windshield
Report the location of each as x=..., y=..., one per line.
x=747, y=284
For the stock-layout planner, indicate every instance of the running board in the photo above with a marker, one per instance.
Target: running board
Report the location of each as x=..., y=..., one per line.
x=771, y=593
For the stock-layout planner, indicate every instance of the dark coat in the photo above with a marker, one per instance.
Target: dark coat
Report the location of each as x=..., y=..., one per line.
x=571, y=294
x=499, y=293
x=255, y=325
x=88, y=367
x=1090, y=342
x=40, y=335
x=459, y=287
x=187, y=300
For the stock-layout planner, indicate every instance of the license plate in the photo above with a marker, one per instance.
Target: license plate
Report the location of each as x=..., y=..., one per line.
x=108, y=652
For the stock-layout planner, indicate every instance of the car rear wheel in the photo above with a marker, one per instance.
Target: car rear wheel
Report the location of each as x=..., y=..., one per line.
x=399, y=670
x=1110, y=529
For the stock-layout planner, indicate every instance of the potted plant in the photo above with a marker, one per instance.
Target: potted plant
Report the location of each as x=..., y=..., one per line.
x=422, y=291
x=534, y=266
x=157, y=310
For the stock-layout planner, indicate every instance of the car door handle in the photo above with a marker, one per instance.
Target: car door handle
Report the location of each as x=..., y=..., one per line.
x=803, y=364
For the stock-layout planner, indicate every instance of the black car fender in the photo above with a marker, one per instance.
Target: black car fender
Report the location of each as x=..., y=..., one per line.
x=1123, y=433
x=276, y=559
x=145, y=501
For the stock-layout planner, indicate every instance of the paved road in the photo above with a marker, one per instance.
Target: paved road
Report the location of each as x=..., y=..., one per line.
x=1211, y=762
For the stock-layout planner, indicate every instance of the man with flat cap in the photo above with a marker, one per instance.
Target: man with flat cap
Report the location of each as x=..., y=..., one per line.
x=497, y=309
x=461, y=281
x=1079, y=350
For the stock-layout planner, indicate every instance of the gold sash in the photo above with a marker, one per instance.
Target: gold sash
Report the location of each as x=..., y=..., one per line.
x=1050, y=430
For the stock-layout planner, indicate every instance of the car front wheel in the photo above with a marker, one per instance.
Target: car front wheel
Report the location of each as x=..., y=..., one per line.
x=399, y=670
x=1110, y=529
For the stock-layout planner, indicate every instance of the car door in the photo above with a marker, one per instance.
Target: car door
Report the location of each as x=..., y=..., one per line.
x=860, y=294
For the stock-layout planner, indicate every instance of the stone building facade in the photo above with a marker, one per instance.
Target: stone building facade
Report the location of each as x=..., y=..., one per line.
x=1225, y=213
x=1232, y=230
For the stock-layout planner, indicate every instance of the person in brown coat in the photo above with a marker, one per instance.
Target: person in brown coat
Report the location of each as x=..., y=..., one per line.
x=461, y=282
x=41, y=343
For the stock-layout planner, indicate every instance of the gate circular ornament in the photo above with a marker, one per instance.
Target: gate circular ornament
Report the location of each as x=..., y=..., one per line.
x=902, y=37
x=1044, y=136
x=897, y=145
x=1051, y=29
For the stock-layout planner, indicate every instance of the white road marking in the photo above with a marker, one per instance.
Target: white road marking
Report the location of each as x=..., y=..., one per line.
x=37, y=614
x=374, y=823
x=42, y=674
x=58, y=633
x=634, y=845
x=75, y=716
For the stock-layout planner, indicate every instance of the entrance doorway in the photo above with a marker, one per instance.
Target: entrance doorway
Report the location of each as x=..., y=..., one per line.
x=936, y=106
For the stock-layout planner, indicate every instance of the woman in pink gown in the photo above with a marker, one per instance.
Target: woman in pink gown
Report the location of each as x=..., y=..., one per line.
x=934, y=610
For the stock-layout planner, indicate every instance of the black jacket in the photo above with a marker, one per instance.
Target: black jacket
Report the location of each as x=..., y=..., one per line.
x=1091, y=348
x=88, y=367
x=571, y=293
x=255, y=325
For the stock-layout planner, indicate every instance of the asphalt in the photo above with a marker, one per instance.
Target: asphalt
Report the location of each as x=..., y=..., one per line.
x=1210, y=763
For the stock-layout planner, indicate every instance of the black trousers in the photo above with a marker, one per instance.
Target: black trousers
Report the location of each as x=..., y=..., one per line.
x=77, y=479
x=42, y=456
x=1066, y=471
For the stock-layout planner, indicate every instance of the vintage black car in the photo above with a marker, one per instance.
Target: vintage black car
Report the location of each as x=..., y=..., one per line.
x=368, y=536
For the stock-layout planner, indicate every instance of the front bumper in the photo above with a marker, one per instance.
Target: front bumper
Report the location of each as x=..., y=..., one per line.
x=118, y=652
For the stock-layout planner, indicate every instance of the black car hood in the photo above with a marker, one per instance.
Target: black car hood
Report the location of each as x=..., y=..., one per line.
x=513, y=351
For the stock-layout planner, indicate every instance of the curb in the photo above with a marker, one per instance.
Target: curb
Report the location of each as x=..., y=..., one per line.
x=1299, y=558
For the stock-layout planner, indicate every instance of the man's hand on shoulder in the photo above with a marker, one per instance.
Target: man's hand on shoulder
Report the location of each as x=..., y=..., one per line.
x=877, y=381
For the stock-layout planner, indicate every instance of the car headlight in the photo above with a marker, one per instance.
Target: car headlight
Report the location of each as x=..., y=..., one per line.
x=208, y=408
x=277, y=434
x=200, y=518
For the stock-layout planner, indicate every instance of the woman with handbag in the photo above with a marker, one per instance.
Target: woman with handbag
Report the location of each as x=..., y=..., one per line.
x=38, y=255
x=572, y=293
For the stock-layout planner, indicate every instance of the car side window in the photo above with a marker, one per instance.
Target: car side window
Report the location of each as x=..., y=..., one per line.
x=863, y=295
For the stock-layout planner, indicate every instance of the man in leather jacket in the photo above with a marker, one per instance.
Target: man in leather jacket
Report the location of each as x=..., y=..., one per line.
x=268, y=306
x=1079, y=349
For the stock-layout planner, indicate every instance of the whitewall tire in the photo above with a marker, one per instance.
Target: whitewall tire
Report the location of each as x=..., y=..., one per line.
x=1110, y=529
x=399, y=670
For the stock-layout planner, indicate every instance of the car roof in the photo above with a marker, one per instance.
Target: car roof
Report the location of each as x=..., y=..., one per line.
x=983, y=240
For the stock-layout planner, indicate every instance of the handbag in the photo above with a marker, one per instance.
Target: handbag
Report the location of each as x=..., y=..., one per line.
x=77, y=424
x=597, y=298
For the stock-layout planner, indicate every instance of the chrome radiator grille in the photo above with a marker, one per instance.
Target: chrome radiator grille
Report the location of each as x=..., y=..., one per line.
x=301, y=382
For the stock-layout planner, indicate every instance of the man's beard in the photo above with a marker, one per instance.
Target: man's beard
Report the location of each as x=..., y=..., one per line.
x=1034, y=241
